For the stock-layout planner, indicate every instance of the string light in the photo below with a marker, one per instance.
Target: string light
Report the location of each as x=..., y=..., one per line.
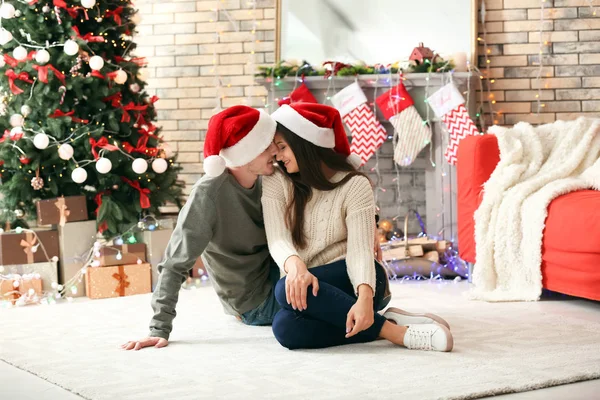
x=541, y=59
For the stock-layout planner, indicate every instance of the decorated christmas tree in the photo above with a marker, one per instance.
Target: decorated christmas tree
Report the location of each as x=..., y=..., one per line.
x=75, y=117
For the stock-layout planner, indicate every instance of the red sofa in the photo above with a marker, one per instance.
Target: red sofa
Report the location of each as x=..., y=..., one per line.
x=571, y=243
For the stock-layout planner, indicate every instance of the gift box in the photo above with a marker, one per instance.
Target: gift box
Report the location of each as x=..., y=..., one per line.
x=12, y=287
x=156, y=243
x=61, y=210
x=26, y=247
x=117, y=281
x=76, y=241
x=121, y=255
x=47, y=272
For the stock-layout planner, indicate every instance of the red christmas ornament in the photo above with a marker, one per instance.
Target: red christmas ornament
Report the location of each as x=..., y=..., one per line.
x=24, y=160
x=14, y=136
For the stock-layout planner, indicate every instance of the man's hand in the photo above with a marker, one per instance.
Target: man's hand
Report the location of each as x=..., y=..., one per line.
x=297, y=282
x=147, y=342
x=361, y=316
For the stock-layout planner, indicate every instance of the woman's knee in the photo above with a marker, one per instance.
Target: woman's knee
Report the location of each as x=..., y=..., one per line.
x=283, y=329
x=280, y=292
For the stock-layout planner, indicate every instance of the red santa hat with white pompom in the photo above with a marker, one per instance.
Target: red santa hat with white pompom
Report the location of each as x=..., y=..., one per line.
x=235, y=137
x=319, y=124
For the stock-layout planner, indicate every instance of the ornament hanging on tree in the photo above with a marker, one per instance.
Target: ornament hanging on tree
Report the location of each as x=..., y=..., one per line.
x=367, y=132
x=42, y=56
x=139, y=165
x=71, y=47
x=24, y=160
x=65, y=151
x=412, y=133
x=37, y=183
x=25, y=110
x=79, y=175
x=448, y=104
x=88, y=3
x=16, y=120
x=20, y=53
x=41, y=141
x=5, y=36
x=45, y=9
x=134, y=87
x=103, y=165
x=159, y=165
x=7, y=10
x=96, y=63
x=76, y=67
x=16, y=133
x=120, y=77
x=143, y=74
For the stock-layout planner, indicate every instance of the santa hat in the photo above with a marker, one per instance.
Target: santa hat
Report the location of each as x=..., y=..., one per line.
x=319, y=124
x=235, y=137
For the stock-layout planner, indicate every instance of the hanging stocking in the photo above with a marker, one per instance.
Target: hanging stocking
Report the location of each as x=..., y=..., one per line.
x=413, y=133
x=300, y=94
x=367, y=132
x=448, y=104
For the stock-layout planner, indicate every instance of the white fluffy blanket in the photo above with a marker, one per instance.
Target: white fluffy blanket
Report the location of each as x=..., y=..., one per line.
x=536, y=165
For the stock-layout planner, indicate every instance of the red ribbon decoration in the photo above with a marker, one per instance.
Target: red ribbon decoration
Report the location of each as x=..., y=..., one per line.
x=88, y=37
x=97, y=74
x=336, y=68
x=10, y=61
x=32, y=2
x=153, y=99
x=12, y=76
x=43, y=73
x=103, y=144
x=61, y=4
x=5, y=136
x=116, y=14
x=140, y=61
x=58, y=113
x=144, y=192
x=131, y=107
x=122, y=281
x=142, y=147
x=103, y=227
x=115, y=99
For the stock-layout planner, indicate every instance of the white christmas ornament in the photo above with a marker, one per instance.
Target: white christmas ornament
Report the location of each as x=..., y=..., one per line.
x=134, y=87
x=46, y=9
x=96, y=63
x=25, y=110
x=20, y=53
x=88, y=3
x=159, y=165
x=71, y=47
x=16, y=120
x=17, y=130
x=142, y=74
x=139, y=166
x=5, y=37
x=103, y=165
x=120, y=77
x=79, y=175
x=136, y=18
x=65, y=151
x=7, y=11
x=41, y=141
x=42, y=56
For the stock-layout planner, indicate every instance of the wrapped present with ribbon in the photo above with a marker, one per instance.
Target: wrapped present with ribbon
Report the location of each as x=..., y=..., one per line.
x=121, y=255
x=76, y=240
x=14, y=286
x=59, y=211
x=117, y=281
x=47, y=272
x=28, y=247
x=156, y=242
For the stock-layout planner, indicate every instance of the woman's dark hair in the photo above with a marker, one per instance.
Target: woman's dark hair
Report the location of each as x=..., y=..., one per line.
x=310, y=159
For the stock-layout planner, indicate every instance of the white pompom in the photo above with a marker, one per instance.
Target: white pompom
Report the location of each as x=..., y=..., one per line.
x=139, y=165
x=159, y=165
x=88, y=3
x=42, y=56
x=5, y=37
x=7, y=11
x=79, y=175
x=120, y=77
x=214, y=165
x=16, y=120
x=41, y=141
x=20, y=53
x=25, y=110
x=71, y=47
x=96, y=63
x=354, y=160
x=65, y=151
x=103, y=165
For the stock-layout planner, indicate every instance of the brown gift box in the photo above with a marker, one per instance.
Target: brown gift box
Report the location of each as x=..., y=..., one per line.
x=18, y=248
x=122, y=280
x=61, y=210
x=9, y=292
x=130, y=253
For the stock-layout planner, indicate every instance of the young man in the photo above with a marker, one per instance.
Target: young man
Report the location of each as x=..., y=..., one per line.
x=222, y=221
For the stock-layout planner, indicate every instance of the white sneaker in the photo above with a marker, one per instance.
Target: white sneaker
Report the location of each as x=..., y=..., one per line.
x=401, y=317
x=428, y=337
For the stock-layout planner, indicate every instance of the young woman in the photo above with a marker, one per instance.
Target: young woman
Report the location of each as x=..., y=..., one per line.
x=319, y=216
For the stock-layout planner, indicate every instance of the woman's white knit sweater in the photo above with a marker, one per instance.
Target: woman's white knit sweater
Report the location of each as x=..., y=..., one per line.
x=338, y=224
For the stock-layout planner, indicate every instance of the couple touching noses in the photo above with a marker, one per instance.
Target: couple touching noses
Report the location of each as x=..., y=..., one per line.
x=290, y=247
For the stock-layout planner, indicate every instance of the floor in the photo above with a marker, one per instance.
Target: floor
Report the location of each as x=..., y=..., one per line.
x=20, y=385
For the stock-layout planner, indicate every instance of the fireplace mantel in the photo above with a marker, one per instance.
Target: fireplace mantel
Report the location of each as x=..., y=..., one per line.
x=440, y=190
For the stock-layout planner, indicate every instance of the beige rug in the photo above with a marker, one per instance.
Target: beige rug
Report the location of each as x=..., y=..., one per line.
x=499, y=348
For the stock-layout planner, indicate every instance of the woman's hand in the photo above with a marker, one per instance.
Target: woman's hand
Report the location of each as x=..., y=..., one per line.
x=362, y=315
x=297, y=282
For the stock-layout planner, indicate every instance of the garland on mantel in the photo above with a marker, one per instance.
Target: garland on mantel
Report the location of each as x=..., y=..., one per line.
x=295, y=69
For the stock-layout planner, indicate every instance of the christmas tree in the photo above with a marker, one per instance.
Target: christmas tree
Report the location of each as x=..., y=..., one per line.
x=75, y=115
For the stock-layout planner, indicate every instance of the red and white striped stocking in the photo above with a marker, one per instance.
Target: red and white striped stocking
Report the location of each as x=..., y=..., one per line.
x=448, y=104
x=367, y=132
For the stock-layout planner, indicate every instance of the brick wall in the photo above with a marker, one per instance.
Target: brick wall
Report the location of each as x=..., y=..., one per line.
x=571, y=60
x=178, y=38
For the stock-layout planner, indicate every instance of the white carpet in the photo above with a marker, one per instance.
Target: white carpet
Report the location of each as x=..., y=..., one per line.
x=499, y=348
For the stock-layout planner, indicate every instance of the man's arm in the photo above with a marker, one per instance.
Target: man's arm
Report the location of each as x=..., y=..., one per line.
x=192, y=234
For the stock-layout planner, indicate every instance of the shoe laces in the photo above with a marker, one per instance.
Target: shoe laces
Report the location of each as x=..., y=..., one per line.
x=420, y=339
